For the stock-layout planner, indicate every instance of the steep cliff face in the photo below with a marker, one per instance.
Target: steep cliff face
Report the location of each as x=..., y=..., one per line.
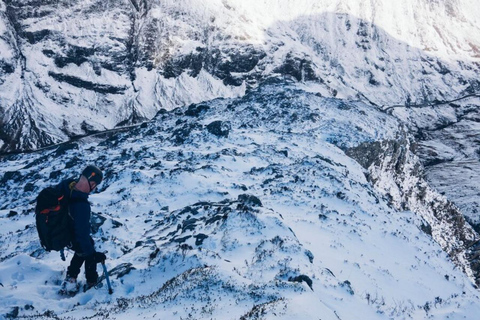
x=71, y=72
x=397, y=173
x=447, y=137
x=91, y=66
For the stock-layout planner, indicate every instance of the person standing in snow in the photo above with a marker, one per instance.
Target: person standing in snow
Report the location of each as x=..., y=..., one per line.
x=82, y=242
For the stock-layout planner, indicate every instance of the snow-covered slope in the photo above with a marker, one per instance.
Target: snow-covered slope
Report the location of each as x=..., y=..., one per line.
x=244, y=208
x=72, y=67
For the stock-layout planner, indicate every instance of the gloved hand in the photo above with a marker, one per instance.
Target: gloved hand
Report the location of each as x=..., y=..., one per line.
x=99, y=257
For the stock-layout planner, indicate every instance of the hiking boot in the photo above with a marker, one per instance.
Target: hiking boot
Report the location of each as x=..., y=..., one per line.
x=70, y=286
x=90, y=285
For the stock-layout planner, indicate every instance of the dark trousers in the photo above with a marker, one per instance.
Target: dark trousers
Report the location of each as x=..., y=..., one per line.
x=90, y=268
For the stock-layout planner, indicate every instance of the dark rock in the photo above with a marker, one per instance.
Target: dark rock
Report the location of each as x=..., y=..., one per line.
x=230, y=64
x=235, y=60
x=12, y=214
x=189, y=209
x=36, y=162
x=216, y=218
x=73, y=162
x=13, y=314
x=348, y=286
x=11, y=175
x=231, y=80
x=63, y=148
x=120, y=270
x=191, y=62
x=6, y=67
x=300, y=69
x=427, y=228
x=34, y=37
x=189, y=224
x=436, y=161
x=83, y=84
x=372, y=80
x=76, y=55
x=199, y=239
x=284, y=152
x=180, y=240
x=344, y=106
x=302, y=278
x=180, y=135
x=219, y=128
x=116, y=224
x=185, y=247
x=96, y=221
x=194, y=110
x=29, y=187
x=341, y=195
x=310, y=256
x=161, y=112
x=154, y=254
x=250, y=200
x=366, y=153
x=56, y=174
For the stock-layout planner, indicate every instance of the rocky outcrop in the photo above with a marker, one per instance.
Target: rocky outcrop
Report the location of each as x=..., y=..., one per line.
x=447, y=136
x=395, y=170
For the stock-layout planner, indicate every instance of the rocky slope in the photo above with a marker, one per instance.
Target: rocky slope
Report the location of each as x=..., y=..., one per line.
x=247, y=208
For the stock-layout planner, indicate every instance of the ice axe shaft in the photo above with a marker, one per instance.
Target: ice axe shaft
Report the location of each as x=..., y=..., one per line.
x=110, y=291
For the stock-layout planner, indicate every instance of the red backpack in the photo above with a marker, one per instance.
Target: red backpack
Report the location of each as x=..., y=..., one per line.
x=54, y=223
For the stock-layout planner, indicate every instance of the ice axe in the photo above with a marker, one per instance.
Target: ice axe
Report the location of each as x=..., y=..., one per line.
x=105, y=272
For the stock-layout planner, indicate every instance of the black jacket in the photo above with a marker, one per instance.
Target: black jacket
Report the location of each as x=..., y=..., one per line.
x=80, y=212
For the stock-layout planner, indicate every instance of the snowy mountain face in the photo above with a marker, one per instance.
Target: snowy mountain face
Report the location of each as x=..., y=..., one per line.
x=70, y=68
x=265, y=206
x=269, y=159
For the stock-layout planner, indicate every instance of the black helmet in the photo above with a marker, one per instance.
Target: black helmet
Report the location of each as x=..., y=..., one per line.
x=93, y=173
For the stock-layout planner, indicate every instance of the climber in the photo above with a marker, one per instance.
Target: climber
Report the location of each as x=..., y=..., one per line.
x=82, y=243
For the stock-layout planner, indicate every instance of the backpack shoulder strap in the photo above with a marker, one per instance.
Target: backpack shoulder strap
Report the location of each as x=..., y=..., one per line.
x=71, y=186
x=49, y=200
